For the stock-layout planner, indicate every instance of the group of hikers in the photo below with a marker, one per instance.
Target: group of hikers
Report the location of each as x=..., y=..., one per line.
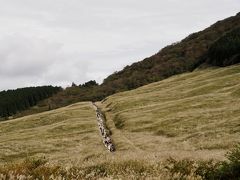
x=106, y=138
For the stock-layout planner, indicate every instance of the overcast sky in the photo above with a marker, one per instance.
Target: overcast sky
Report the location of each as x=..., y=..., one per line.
x=62, y=41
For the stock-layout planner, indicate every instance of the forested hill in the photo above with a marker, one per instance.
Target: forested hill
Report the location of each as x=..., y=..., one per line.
x=13, y=101
x=218, y=45
x=226, y=50
x=180, y=57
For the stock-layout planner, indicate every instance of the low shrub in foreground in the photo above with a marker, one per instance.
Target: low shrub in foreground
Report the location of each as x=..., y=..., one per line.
x=229, y=169
x=40, y=169
x=132, y=169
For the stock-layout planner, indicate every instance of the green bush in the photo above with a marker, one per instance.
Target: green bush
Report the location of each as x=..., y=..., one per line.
x=209, y=170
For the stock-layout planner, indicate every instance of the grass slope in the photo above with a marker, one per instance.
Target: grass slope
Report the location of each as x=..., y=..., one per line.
x=216, y=45
x=194, y=114
x=68, y=134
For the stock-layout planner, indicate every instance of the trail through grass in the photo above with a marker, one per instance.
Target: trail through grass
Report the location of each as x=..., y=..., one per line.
x=193, y=115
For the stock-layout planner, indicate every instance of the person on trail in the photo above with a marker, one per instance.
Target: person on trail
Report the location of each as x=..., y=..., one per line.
x=111, y=148
x=105, y=138
x=108, y=139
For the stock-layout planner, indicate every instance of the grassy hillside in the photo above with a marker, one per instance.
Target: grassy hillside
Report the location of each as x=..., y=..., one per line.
x=193, y=115
x=68, y=96
x=68, y=134
x=193, y=112
x=217, y=45
x=190, y=115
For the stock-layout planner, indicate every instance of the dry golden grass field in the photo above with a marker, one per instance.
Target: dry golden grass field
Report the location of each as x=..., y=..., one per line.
x=194, y=115
x=190, y=115
x=68, y=135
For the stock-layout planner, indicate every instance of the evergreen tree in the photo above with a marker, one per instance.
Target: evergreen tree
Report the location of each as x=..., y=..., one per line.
x=13, y=101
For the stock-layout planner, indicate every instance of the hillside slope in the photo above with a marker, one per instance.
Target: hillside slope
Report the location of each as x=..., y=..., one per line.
x=193, y=115
x=192, y=112
x=180, y=57
x=190, y=115
x=68, y=135
x=218, y=45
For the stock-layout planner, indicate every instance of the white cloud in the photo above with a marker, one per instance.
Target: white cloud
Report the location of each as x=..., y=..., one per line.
x=27, y=61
